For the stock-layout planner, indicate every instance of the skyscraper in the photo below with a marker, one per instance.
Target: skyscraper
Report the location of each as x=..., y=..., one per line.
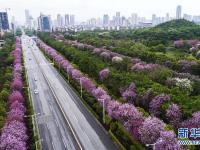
x=134, y=19
x=27, y=18
x=118, y=19
x=4, y=25
x=44, y=23
x=167, y=17
x=59, y=20
x=196, y=19
x=72, y=20
x=67, y=20
x=35, y=25
x=187, y=17
x=154, y=19
x=13, y=23
x=105, y=20
x=178, y=12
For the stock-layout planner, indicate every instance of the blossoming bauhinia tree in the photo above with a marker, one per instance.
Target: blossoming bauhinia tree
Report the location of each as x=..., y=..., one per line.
x=157, y=102
x=150, y=130
x=13, y=135
x=103, y=74
x=130, y=93
x=174, y=115
x=167, y=141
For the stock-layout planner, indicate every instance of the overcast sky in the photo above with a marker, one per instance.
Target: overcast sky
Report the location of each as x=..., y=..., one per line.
x=85, y=9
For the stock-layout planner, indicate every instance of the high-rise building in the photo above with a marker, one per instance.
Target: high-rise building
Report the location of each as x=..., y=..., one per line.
x=118, y=19
x=178, y=12
x=59, y=20
x=13, y=23
x=35, y=25
x=67, y=20
x=196, y=19
x=72, y=20
x=105, y=20
x=167, y=17
x=187, y=17
x=154, y=20
x=124, y=21
x=4, y=25
x=27, y=18
x=44, y=23
x=134, y=19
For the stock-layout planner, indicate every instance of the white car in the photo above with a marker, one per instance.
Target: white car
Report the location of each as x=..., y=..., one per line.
x=35, y=79
x=36, y=91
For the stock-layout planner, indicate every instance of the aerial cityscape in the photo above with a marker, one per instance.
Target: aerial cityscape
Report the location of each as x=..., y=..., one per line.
x=99, y=75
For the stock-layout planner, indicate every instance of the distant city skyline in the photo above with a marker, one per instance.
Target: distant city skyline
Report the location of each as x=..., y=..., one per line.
x=84, y=10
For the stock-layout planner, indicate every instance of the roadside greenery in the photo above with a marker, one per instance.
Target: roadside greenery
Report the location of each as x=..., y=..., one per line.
x=6, y=60
x=29, y=32
x=18, y=32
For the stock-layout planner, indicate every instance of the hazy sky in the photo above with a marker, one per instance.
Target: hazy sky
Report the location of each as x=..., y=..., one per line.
x=85, y=9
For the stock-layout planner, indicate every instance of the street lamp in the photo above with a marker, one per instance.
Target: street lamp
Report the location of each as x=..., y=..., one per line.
x=81, y=88
x=154, y=144
x=68, y=74
x=59, y=66
x=103, y=108
x=32, y=115
x=80, y=81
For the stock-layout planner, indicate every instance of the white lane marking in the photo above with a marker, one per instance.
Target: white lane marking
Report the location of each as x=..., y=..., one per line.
x=56, y=123
x=53, y=145
x=64, y=142
x=48, y=126
x=51, y=108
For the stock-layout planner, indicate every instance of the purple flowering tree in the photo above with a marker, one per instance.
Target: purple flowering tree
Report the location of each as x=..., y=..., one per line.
x=192, y=42
x=142, y=66
x=150, y=130
x=168, y=141
x=174, y=115
x=130, y=93
x=16, y=96
x=178, y=44
x=13, y=135
x=87, y=84
x=103, y=74
x=157, y=101
x=186, y=66
x=105, y=55
x=17, y=85
x=193, y=122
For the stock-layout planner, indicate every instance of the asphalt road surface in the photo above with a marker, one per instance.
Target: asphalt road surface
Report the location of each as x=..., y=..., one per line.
x=63, y=121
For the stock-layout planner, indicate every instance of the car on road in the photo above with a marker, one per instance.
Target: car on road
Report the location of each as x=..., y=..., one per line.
x=35, y=79
x=36, y=91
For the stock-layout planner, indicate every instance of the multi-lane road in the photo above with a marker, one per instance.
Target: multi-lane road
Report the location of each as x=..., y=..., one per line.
x=62, y=119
